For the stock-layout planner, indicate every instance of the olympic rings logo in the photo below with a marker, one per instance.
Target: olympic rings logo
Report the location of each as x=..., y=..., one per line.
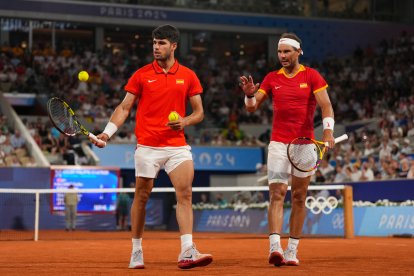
x=321, y=204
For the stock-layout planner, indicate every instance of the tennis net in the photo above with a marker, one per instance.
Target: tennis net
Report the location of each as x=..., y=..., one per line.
x=33, y=214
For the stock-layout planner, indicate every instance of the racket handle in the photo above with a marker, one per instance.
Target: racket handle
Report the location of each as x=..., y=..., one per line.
x=96, y=139
x=339, y=139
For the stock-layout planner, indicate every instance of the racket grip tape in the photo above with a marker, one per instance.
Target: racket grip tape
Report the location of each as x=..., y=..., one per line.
x=96, y=139
x=339, y=139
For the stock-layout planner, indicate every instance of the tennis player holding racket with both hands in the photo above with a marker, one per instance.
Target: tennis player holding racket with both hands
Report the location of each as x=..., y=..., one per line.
x=295, y=91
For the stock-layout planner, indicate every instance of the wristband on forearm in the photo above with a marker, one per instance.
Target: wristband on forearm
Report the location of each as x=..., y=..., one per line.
x=328, y=123
x=250, y=101
x=110, y=129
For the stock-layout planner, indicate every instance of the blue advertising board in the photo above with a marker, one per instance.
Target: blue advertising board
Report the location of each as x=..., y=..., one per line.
x=385, y=221
x=242, y=159
x=368, y=221
x=255, y=221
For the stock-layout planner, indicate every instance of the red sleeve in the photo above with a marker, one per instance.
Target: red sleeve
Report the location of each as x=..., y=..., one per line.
x=318, y=83
x=265, y=86
x=195, y=87
x=134, y=85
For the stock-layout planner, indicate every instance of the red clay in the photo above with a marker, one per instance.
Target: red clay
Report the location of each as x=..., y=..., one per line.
x=89, y=253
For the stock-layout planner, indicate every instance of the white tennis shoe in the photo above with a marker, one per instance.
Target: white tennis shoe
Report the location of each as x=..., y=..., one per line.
x=276, y=255
x=137, y=259
x=290, y=257
x=191, y=257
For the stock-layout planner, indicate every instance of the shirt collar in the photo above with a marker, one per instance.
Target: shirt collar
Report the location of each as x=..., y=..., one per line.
x=159, y=70
x=281, y=71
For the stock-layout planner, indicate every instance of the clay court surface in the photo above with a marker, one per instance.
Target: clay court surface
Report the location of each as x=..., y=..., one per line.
x=100, y=253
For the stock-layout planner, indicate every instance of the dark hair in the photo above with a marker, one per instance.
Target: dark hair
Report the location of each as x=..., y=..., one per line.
x=292, y=36
x=168, y=32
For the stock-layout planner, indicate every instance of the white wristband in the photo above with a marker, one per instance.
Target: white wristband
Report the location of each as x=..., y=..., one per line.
x=250, y=102
x=328, y=123
x=110, y=129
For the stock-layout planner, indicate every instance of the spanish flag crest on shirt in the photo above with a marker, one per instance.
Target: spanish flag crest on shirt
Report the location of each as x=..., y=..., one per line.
x=179, y=81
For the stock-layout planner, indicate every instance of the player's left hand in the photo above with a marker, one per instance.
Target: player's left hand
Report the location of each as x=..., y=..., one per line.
x=248, y=86
x=177, y=124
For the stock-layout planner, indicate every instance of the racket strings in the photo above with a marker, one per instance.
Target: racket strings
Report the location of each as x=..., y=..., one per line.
x=62, y=118
x=304, y=154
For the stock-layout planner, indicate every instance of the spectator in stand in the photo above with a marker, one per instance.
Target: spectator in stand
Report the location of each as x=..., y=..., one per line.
x=368, y=149
x=385, y=150
x=366, y=173
x=410, y=127
x=404, y=168
x=356, y=173
x=340, y=175
x=406, y=148
x=395, y=151
x=203, y=199
x=233, y=133
x=325, y=168
x=220, y=200
x=17, y=140
x=257, y=197
x=319, y=177
x=6, y=147
x=49, y=143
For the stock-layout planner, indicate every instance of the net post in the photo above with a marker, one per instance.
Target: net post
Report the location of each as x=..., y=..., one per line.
x=36, y=223
x=348, y=212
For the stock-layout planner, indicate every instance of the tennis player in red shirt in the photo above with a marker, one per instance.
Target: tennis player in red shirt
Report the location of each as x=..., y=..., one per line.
x=295, y=90
x=159, y=88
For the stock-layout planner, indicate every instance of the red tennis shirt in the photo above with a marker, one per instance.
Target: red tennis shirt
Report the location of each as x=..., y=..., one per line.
x=159, y=93
x=294, y=102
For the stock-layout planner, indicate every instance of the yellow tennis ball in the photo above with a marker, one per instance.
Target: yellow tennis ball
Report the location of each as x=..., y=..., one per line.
x=83, y=76
x=173, y=116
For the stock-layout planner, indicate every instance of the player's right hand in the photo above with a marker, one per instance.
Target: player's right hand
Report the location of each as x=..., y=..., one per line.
x=104, y=137
x=248, y=86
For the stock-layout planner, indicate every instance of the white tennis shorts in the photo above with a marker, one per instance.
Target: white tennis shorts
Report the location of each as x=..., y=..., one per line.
x=279, y=167
x=149, y=160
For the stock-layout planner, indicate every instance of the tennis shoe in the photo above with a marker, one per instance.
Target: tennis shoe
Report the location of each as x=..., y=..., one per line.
x=290, y=257
x=276, y=255
x=191, y=258
x=137, y=259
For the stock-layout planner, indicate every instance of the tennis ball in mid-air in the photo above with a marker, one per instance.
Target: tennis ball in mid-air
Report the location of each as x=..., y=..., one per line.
x=173, y=116
x=83, y=76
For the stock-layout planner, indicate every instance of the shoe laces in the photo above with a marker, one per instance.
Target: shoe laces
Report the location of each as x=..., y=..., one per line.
x=290, y=254
x=275, y=247
x=137, y=255
x=191, y=251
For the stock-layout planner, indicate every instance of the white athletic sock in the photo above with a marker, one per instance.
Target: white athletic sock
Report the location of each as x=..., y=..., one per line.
x=136, y=244
x=186, y=241
x=293, y=244
x=274, y=238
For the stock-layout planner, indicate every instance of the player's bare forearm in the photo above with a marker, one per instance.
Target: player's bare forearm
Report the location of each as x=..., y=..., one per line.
x=194, y=118
x=120, y=114
x=324, y=103
x=198, y=112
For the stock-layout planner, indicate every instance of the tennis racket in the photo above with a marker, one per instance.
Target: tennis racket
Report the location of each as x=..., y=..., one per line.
x=64, y=119
x=306, y=154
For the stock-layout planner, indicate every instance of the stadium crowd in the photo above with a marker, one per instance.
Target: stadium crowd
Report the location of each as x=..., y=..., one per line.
x=372, y=92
